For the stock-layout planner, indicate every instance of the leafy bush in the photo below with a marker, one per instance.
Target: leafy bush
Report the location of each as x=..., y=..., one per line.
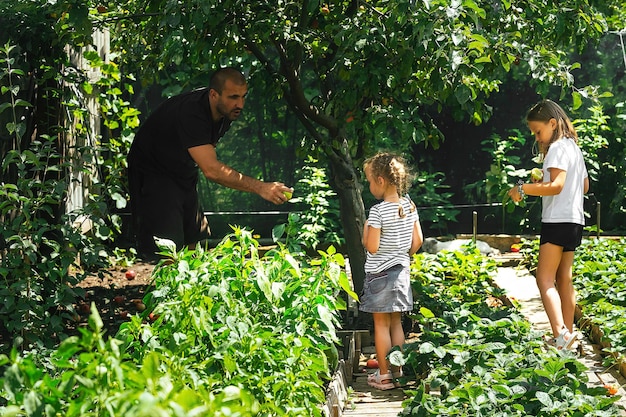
x=481, y=356
x=318, y=221
x=41, y=243
x=41, y=248
x=225, y=333
x=91, y=376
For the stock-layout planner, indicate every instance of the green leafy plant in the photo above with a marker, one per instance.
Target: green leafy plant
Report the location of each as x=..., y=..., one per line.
x=40, y=244
x=478, y=357
x=91, y=375
x=225, y=332
x=318, y=221
x=600, y=282
x=235, y=318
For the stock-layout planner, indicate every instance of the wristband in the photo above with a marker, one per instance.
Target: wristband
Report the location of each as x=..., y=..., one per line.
x=520, y=190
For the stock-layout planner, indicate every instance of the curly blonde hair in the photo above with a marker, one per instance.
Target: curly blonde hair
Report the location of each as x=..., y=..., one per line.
x=393, y=169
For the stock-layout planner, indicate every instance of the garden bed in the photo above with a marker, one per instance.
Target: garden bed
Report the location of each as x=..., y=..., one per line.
x=115, y=296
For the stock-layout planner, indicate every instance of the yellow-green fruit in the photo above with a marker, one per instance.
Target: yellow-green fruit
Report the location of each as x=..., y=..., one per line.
x=536, y=174
x=288, y=194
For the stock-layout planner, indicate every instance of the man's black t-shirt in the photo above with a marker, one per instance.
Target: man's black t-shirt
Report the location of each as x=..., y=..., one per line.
x=161, y=145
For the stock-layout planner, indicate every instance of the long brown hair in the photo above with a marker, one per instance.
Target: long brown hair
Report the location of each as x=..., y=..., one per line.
x=548, y=109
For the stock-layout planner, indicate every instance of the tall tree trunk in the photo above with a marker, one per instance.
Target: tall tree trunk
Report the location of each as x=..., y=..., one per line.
x=346, y=182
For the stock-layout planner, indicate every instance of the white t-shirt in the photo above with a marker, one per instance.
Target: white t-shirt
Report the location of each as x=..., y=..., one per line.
x=396, y=234
x=567, y=206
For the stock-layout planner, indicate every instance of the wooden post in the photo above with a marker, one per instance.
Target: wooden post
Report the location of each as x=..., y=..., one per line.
x=598, y=219
x=474, y=225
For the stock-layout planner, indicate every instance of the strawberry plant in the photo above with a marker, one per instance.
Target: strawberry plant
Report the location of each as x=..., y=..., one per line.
x=478, y=357
x=600, y=282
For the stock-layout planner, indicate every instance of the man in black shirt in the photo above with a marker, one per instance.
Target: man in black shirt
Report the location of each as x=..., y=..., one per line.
x=178, y=138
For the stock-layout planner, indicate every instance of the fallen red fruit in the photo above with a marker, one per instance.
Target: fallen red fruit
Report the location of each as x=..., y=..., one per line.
x=84, y=308
x=611, y=388
x=153, y=316
x=130, y=274
x=372, y=363
x=119, y=299
x=124, y=314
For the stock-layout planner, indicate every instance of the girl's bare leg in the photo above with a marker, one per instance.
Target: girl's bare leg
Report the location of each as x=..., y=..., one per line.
x=566, y=290
x=397, y=334
x=382, y=340
x=550, y=257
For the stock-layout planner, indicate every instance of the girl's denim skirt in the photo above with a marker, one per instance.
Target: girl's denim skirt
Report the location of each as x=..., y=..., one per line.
x=388, y=291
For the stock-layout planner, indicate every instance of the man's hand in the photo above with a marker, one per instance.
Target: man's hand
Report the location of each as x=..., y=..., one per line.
x=274, y=192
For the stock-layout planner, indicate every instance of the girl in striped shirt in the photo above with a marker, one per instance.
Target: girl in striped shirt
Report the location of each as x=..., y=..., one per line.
x=391, y=235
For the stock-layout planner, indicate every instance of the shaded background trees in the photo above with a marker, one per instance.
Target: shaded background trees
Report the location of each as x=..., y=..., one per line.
x=361, y=75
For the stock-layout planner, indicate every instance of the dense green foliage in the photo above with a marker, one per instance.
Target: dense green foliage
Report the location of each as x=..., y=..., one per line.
x=226, y=332
x=44, y=251
x=478, y=357
x=41, y=249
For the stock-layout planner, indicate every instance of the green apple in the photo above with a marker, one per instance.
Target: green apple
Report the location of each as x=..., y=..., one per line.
x=288, y=194
x=536, y=174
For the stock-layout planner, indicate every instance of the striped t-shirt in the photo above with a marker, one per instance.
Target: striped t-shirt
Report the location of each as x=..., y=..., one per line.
x=396, y=234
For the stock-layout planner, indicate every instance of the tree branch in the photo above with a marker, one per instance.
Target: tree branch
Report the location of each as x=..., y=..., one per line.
x=297, y=93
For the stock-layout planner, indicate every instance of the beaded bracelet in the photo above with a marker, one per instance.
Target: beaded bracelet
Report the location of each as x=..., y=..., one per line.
x=520, y=190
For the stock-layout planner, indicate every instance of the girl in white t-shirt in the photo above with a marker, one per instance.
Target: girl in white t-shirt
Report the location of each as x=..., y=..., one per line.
x=391, y=234
x=562, y=187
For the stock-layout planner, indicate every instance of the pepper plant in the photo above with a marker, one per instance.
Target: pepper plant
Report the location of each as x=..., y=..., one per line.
x=226, y=332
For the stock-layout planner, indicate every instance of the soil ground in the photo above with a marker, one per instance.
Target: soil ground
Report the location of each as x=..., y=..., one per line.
x=116, y=297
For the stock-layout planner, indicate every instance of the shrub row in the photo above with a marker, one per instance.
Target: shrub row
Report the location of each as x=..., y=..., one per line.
x=234, y=334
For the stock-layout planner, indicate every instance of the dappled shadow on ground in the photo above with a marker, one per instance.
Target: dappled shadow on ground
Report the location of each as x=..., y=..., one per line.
x=117, y=295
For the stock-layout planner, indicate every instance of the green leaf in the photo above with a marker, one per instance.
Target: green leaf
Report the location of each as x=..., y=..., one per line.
x=577, y=100
x=396, y=358
x=4, y=106
x=150, y=366
x=544, y=398
x=426, y=313
x=22, y=103
x=95, y=321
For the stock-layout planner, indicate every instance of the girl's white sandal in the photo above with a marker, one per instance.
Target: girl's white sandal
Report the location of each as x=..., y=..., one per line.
x=567, y=340
x=376, y=380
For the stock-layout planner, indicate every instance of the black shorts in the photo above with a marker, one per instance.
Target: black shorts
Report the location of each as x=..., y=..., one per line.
x=566, y=235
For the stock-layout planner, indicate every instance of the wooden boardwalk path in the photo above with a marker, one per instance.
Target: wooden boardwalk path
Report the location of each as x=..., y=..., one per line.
x=364, y=401
x=368, y=401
